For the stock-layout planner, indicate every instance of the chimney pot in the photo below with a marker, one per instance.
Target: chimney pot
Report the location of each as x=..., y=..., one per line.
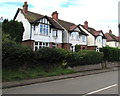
x=55, y=15
x=110, y=31
x=25, y=7
x=86, y=24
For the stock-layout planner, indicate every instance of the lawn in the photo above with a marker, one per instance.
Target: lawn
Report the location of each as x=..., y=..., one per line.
x=21, y=74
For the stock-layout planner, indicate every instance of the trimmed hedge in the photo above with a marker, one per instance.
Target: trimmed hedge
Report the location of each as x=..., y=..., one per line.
x=111, y=54
x=50, y=58
x=85, y=57
x=15, y=55
x=18, y=56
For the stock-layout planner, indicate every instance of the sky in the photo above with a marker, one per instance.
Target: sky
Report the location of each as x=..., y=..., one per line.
x=100, y=14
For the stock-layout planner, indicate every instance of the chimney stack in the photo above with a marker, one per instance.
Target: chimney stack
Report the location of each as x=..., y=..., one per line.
x=110, y=31
x=25, y=7
x=86, y=25
x=55, y=15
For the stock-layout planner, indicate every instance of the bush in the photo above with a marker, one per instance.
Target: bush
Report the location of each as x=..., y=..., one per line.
x=50, y=58
x=111, y=54
x=85, y=57
x=15, y=55
x=77, y=48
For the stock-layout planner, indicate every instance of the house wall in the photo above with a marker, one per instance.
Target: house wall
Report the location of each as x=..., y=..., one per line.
x=112, y=44
x=65, y=38
x=29, y=43
x=90, y=38
x=79, y=41
x=104, y=42
x=66, y=46
x=99, y=42
x=20, y=17
x=49, y=38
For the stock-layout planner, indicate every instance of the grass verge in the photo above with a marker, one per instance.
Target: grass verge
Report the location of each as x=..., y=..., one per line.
x=21, y=74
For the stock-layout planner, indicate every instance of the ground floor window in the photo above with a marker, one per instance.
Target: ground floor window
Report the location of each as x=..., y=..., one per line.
x=38, y=45
x=54, y=45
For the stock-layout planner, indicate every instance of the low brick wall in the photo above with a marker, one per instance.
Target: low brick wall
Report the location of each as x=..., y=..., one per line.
x=96, y=66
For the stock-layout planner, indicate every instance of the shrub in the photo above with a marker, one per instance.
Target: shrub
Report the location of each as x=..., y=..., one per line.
x=86, y=57
x=77, y=48
x=15, y=55
x=50, y=58
x=111, y=54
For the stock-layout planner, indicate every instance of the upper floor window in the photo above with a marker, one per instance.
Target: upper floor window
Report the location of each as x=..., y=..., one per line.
x=75, y=35
x=99, y=39
x=44, y=29
x=83, y=38
x=54, y=33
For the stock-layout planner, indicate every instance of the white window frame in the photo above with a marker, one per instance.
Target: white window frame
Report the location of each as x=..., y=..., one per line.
x=55, y=33
x=44, y=29
x=75, y=36
x=83, y=38
x=40, y=45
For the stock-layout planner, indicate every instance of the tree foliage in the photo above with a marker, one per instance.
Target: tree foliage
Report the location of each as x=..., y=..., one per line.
x=14, y=28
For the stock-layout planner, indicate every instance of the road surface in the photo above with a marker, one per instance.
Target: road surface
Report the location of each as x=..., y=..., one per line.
x=103, y=83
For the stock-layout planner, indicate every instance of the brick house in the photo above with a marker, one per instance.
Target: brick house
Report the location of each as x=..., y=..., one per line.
x=112, y=40
x=44, y=31
x=96, y=39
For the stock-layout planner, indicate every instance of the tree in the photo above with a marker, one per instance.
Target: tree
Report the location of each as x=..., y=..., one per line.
x=14, y=28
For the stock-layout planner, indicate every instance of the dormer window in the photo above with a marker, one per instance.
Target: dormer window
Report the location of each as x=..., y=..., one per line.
x=54, y=33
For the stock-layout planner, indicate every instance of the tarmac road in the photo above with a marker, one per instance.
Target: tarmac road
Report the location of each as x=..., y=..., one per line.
x=103, y=83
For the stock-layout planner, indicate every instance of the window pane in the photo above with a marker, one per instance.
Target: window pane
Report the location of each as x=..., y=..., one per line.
x=40, y=43
x=41, y=27
x=36, y=48
x=46, y=44
x=36, y=43
x=43, y=43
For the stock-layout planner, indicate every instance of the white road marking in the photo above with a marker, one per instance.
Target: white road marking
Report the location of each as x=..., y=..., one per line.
x=100, y=89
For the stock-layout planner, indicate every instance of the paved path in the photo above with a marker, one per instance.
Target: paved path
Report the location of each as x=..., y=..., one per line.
x=103, y=83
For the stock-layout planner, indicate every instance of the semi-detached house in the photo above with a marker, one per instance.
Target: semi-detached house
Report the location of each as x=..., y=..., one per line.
x=96, y=39
x=112, y=40
x=44, y=31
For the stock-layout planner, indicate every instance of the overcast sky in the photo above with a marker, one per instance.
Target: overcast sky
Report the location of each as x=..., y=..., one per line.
x=100, y=14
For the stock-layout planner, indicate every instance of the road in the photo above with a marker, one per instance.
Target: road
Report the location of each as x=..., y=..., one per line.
x=103, y=83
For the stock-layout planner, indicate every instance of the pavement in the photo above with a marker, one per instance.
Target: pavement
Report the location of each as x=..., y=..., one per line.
x=53, y=78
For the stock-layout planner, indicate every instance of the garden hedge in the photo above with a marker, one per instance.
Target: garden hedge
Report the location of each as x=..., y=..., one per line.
x=111, y=54
x=86, y=57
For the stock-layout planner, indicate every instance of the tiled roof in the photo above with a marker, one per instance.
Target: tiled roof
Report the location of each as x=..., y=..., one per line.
x=34, y=17
x=66, y=24
x=93, y=31
x=111, y=37
x=70, y=26
x=90, y=30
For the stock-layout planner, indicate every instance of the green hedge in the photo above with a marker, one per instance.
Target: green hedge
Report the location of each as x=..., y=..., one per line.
x=50, y=58
x=15, y=55
x=111, y=54
x=85, y=57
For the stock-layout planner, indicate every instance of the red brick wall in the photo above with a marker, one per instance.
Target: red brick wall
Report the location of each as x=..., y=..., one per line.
x=83, y=47
x=91, y=47
x=28, y=43
x=59, y=45
x=50, y=44
x=66, y=46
